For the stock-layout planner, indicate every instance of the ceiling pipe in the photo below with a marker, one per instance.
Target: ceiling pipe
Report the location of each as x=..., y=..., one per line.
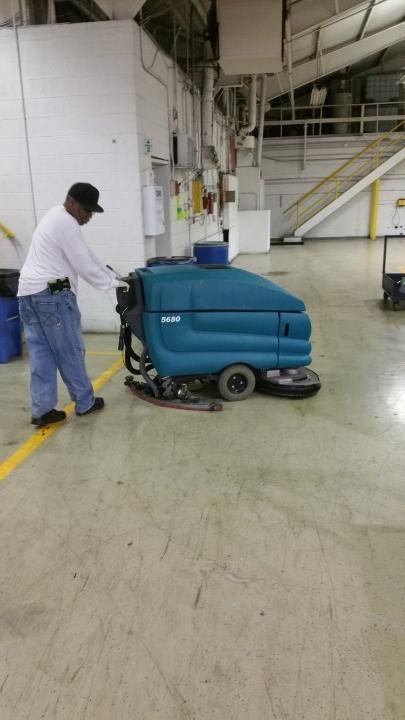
x=208, y=107
x=288, y=41
x=262, y=111
x=367, y=19
x=252, y=117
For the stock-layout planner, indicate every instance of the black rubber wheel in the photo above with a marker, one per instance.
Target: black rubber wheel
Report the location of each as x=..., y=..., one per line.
x=385, y=296
x=236, y=382
x=396, y=306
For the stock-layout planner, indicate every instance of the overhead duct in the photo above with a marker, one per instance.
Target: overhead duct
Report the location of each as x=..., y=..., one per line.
x=250, y=39
x=121, y=9
x=259, y=150
x=252, y=117
x=208, y=107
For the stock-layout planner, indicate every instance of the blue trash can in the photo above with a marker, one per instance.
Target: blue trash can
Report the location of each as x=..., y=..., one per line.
x=10, y=329
x=10, y=324
x=174, y=260
x=211, y=253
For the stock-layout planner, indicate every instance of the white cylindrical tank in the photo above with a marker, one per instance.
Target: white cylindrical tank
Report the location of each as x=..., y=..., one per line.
x=343, y=109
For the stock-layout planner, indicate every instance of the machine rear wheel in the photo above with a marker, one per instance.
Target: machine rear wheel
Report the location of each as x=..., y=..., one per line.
x=236, y=382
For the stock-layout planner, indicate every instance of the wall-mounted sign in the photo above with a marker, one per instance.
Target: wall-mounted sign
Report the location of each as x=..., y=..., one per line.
x=147, y=146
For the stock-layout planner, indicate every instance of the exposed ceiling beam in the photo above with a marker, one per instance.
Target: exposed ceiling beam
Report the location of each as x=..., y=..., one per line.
x=367, y=19
x=200, y=12
x=350, y=13
x=382, y=57
x=334, y=60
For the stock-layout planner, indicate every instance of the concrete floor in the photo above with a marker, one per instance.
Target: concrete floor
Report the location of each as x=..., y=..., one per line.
x=244, y=564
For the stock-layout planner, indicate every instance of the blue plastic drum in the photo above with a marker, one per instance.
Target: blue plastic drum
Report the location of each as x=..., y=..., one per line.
x=211, y=253
x=10, y=329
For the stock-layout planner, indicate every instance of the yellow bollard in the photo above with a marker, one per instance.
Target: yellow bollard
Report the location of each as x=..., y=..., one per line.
x=374, y=209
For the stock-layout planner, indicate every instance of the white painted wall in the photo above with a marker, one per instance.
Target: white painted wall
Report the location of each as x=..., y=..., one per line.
x=79, y=91
x=286, y=180
x=184, y=116
x=89, y=106
x=16, y=208
x=251, y=187
x=254, y=231
x=187, y=231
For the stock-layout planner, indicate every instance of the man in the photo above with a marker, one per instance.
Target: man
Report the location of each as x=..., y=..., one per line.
x=48, y=307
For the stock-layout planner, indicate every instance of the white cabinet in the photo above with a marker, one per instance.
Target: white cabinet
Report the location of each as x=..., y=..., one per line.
x=153, y=210
x=254, y=231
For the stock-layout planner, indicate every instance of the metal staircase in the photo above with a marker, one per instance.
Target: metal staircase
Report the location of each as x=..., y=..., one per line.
x=377, y=158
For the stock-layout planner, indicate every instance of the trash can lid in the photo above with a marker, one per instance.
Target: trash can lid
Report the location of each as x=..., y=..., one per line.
x=211, y=243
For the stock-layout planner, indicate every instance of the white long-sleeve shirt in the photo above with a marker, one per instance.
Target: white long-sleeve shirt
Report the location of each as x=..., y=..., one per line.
x=58, y=250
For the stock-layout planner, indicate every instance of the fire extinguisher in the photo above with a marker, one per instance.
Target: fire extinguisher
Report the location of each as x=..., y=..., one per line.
x=210, y=203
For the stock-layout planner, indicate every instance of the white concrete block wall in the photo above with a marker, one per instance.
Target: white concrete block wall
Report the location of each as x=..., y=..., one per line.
x=151, y=98
x=16, y=207
x=90, y=105
x=79, y=89
x=286, y=180
x=151, y=110
x=204, y=227
x=155, y=123
x=187, y=231
x=84, y=128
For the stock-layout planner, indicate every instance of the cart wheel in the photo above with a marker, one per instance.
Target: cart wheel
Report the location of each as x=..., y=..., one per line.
x=396, y=306
x=385, y=296
x=236, y=382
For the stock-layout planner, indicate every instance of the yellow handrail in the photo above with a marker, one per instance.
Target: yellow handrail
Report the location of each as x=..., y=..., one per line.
x=6, y=230
x=338, y=172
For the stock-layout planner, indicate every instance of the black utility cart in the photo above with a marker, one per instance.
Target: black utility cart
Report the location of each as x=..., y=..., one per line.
x=393, y=283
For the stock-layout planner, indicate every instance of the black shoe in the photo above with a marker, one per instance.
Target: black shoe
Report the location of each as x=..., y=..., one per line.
x=53, y=416
x=97, y=405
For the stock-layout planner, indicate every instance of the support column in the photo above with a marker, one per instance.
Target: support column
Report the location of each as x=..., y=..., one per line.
x=375, y=195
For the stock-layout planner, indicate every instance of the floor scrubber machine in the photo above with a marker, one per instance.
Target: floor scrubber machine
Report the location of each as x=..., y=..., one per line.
x=202, y=324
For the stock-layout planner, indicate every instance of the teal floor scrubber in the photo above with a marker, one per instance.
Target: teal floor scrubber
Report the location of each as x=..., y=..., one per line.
x=204, y=324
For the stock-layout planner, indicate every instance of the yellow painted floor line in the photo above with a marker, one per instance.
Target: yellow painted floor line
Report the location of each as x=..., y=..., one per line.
x=40, y=436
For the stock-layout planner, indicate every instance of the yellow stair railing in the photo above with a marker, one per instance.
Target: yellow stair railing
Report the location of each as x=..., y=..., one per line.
x=350, y=172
